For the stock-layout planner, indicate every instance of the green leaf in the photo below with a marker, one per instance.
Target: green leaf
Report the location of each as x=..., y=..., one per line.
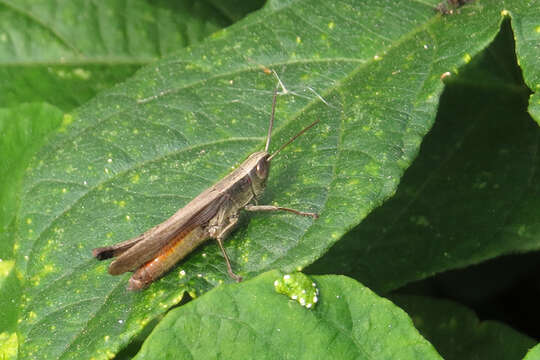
x=65, y=52
x=137, y=153
x=527, y=35
x=251, y=321
x=23, y=130
x=457, y=333
x=473, y=192
x=533, y=354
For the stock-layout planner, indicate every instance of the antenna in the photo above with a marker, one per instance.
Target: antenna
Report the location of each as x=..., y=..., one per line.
x=293, y=138
x=269, y=136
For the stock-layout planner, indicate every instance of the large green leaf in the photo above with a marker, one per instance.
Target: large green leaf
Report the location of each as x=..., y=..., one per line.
x=138, y=152
x=65, y=51
x=457, y=334
x=472, y=193
x=252, y=321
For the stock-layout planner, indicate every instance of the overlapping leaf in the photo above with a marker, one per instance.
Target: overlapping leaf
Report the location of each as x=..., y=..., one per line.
x=252, y=321
x=64, y=52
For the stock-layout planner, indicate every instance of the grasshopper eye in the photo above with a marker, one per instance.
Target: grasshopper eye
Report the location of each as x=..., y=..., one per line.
x=262, y=169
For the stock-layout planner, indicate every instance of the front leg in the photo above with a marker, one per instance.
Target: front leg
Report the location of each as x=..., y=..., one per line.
x=279, y=208
x=220, y=235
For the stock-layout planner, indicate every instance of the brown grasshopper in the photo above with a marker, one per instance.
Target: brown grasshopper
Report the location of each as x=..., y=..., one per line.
x=212, y=214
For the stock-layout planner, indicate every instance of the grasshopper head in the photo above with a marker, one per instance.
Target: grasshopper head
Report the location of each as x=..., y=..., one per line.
x=259, y=170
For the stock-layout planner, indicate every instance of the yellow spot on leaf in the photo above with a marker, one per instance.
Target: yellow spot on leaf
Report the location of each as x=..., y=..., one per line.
x=8, y=349
x=66, y=120
x=5, y=267
x=82, y=73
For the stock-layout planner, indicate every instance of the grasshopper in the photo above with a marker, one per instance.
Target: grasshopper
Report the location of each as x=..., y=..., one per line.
x=213, y=214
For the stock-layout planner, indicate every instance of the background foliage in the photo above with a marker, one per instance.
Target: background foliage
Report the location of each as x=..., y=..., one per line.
x=93, y=152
